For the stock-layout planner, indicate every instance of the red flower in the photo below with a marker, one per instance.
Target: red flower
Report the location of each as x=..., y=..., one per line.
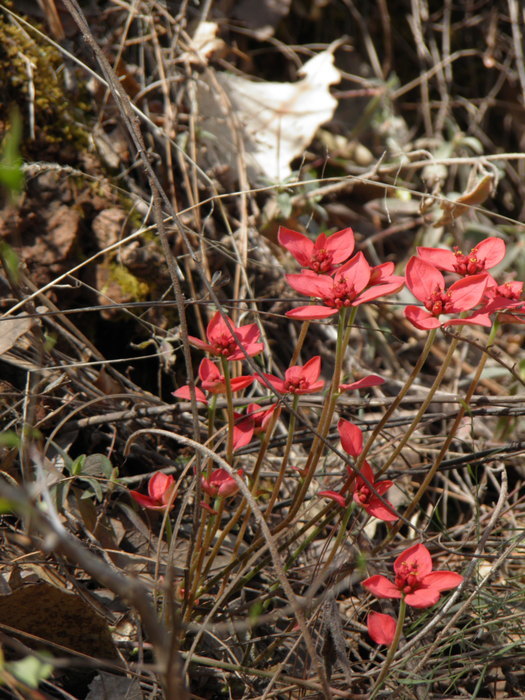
x=414, y=581
x=482, y=257
x=253, y=423
x=324, y=254
x=299, y=380
x=212, y=381
x=352, y=284
x=381, y=628
x=351, y=437
x=364, y=383
x=427, y=284
x=221, y=341
x=220, y=484
x=365, y=497
x=160, y=492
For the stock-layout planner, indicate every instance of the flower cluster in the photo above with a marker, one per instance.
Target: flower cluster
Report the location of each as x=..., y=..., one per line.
x=474, y=296
x=414, y=582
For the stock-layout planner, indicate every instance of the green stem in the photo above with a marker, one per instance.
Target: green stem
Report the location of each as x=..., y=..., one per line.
x=451, y=435
x=391, y=652
x=393, y=406
x=229, y=409
x=422, y=409
x=284, y=462
x=346, y=322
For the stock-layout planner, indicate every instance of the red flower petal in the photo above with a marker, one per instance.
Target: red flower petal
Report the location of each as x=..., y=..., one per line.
x=381, y=628
x=420, y=318
x=419, y=555
x=491, y=251
x=299, y=245
x=423, y=279
x=341, y=245
x=365, y=382
x=184, y=393
x=422, y=598
x=311, y=313
x=335, y=496
x=381, y=587
x=351, y=437
x=467, y=292
x=439, y=257
x=443, y=580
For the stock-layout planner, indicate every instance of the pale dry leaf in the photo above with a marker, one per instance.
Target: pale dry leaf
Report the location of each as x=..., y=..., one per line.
x=204, y=44
x=11, y=329
x=276, y=121
x=480, y=191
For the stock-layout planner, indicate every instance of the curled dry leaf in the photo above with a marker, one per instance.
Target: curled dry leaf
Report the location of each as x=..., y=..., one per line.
x=275, y=121
x=474, y=196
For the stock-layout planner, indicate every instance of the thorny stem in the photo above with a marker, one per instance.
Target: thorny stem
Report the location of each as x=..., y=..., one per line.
x=391, y=651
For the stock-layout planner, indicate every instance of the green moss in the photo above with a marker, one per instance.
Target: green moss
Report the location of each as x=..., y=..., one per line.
x=131, y=286
x=28, y=66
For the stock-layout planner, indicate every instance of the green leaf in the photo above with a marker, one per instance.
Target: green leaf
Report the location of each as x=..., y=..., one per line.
x=30, y=670
x=78, y=465
x=11, y=175
x=10, y=260
x=9, y=439
x=94, y=486
x=98, y=465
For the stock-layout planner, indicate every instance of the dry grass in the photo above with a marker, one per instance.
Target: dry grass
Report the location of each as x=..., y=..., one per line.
x=130, y=243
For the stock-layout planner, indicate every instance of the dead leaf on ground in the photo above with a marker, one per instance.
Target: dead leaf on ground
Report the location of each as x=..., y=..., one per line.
x=276, y=121
x=11, y=329
x=58, y=617
x=475, y=196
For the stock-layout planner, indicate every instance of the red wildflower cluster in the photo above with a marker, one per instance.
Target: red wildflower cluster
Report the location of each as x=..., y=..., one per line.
x=477, y=291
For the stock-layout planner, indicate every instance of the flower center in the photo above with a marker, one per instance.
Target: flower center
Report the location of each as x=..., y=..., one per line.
x=363, y=494
x=407, y=580
x=439, y=303
x=343, y=294
x=225, y=345
x=506, y=290
x=321, y=260
x=296, y=384
x=468, y=264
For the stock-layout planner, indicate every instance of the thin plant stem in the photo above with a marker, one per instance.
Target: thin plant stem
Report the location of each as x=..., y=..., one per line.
x=451, y=435
x=422, y=409
x=300, y=342
x=229, y=409
x=391, y=651
x=284, y=461
x=343, y=338
x=399, y=398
